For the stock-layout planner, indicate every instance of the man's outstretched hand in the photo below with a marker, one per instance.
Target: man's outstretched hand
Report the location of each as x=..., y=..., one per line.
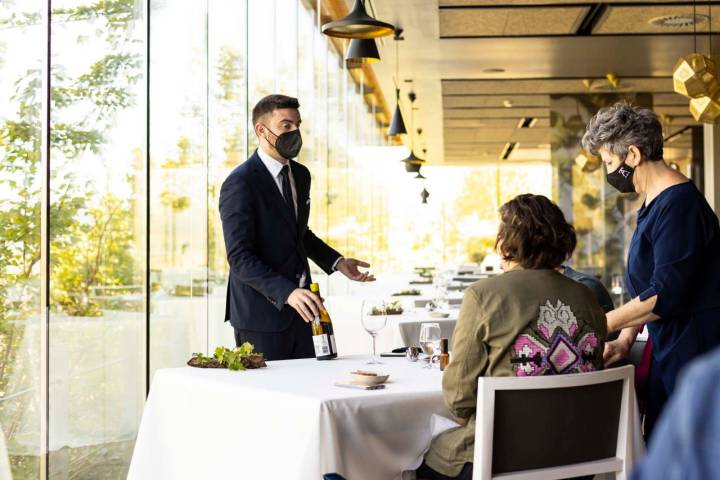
x=349, y=268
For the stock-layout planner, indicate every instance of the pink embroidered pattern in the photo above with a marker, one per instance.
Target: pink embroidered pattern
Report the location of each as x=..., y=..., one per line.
x=554, y=344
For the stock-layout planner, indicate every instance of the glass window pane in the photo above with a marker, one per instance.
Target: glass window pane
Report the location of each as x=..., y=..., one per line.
x=227, y=138
x=322, y=180
x=22, y=40
x=97, y=234
x=178, y=177
x=286, y=47
x=261, y=58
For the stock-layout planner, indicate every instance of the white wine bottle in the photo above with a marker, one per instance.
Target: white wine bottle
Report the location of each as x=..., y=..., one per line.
x=323, y=333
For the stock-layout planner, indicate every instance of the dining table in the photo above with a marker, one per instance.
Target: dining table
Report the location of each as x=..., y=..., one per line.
x=292, y=421
x=401, y=330
x=409, y=324
x=289, y=421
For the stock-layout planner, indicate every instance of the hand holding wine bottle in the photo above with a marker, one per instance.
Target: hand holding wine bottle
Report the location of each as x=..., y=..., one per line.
x=306, y=303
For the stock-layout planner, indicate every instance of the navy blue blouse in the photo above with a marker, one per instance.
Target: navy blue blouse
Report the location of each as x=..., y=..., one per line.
x=675, y=254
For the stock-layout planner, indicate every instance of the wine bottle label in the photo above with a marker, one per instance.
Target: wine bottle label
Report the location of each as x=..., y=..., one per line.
x=322, y=345
x=332, y=343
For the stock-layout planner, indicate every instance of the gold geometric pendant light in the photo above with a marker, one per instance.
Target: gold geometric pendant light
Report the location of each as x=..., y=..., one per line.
x=705, y=109
x=695, y=76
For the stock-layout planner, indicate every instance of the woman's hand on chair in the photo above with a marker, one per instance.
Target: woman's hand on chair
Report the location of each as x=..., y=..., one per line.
x=615, y=351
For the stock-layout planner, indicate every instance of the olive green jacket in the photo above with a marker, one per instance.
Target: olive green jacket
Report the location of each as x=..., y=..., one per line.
x=520, y=323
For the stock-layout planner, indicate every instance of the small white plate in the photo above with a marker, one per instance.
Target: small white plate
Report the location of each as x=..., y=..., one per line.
x=361, y=379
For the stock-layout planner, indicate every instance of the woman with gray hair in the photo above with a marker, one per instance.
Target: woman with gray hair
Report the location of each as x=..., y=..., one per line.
x=673, y=266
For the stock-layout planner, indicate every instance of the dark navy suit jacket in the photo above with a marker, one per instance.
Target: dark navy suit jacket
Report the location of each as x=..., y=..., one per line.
x=267, y=248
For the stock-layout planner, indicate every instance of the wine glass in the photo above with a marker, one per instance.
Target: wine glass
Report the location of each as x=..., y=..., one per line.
x=440, y=294
x=373, y=316
x=430, y=340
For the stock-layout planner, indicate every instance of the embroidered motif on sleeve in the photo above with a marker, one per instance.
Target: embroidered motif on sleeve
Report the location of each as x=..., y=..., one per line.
x=554, y=344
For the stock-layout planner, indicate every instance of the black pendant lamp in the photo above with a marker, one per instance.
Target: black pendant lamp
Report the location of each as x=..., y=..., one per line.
x=412, y=161
x=424, y=195
x=361, y=51
x=397, y=124
x=420, y=176
x=358, y=24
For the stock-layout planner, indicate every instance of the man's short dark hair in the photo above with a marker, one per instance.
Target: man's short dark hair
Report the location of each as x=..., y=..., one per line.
x=271, y=103
x=534, y=233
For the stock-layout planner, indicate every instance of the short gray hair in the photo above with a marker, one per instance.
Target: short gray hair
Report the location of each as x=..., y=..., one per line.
x=619, y=126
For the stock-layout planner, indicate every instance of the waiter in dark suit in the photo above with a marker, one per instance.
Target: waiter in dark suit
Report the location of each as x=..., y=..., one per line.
x=264, y=207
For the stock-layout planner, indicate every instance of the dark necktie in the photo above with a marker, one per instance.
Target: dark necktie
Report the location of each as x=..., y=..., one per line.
x=287, y=191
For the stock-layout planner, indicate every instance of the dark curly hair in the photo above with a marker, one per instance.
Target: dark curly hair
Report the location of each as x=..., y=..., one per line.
x=533, y=232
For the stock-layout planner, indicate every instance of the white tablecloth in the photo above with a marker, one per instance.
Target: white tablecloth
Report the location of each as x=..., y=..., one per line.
x=287, y=421
x=408, y=325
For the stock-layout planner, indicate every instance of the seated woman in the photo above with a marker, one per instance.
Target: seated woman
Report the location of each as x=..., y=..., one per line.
x=531, y=320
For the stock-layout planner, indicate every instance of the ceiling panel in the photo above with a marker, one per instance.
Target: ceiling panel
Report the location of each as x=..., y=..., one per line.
x=478, y=147
x=480, y=121
x=506, y=86
x=476, y=134
x=523, y=135
x=445, y=72
x=673, y=111
x=666, y=99
x=487, y=151
x=515, y=113
x=495, y=123
x=685, y=120
x=495, y=22
x=637, y=19
x=483, y=101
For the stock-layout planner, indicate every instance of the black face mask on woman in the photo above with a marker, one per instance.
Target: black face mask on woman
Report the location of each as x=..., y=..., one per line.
x=288, y=144
x=622, y=178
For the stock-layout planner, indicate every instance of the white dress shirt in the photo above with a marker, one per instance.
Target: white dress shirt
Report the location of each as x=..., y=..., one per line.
x=274, y=167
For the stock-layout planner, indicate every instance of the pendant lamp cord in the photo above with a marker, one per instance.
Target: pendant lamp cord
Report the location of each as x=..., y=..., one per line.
x=412, y=129
x=694, y=27
x=397, y=66
x=710, y=28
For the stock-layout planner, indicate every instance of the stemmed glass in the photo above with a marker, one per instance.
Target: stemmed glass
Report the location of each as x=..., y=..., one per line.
x=440, y=294
x=430, y=340
x=373, y=316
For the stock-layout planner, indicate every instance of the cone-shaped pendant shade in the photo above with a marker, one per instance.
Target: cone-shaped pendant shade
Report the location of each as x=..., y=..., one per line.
x=358, y=24
x=413, y=167
x=420, y=176
x=362, y=51
x=397, y=125
x=424, y=195
x=412, y=158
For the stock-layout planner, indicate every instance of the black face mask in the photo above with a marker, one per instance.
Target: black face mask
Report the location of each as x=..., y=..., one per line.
x=622, y=178
x=288, y=144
